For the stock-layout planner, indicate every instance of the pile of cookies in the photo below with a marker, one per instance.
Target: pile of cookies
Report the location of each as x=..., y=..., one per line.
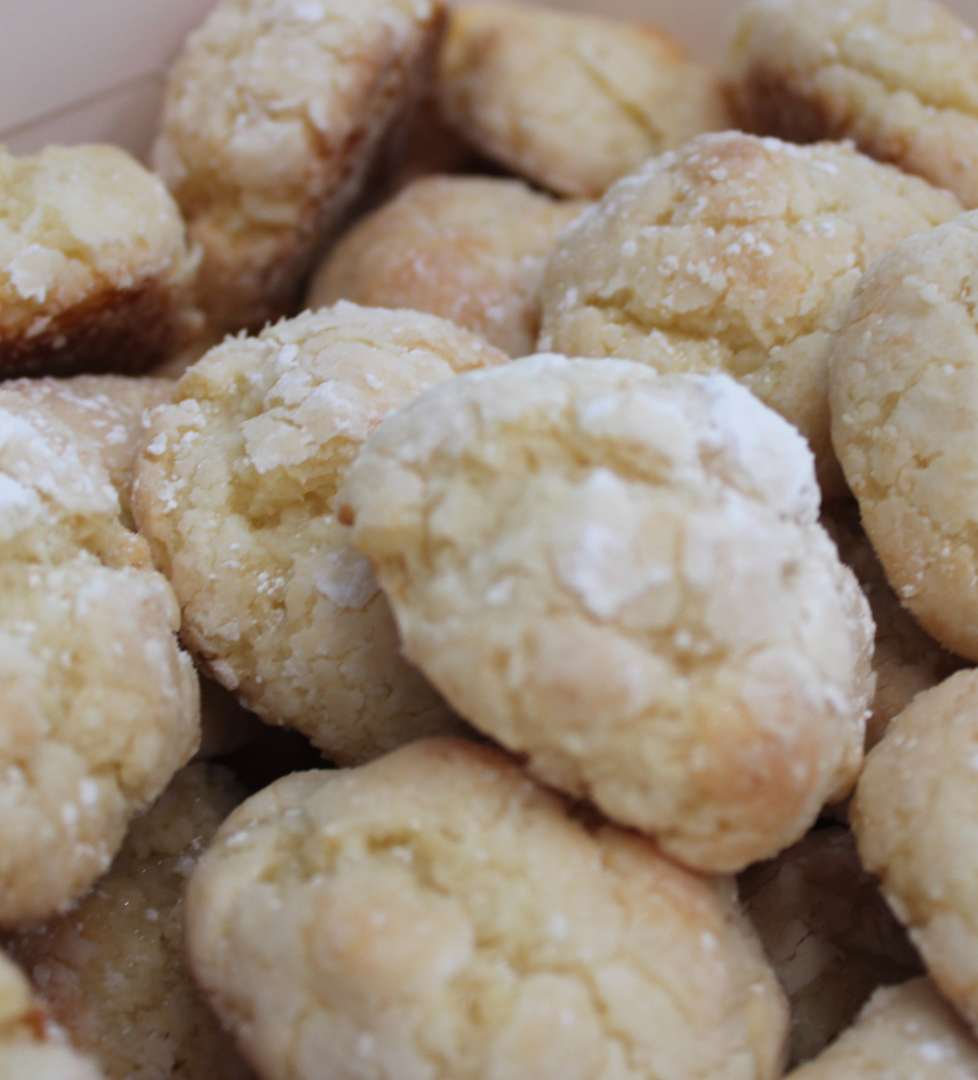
x=489, y=556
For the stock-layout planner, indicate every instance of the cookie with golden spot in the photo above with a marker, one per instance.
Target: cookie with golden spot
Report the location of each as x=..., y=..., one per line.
x=273, y=113
x=620, y=575
x=96, y=271
x=436, y=913
x=235, y=491
x=828, y=933
x=905, y=1032
x=734, y=254
x=470, y=249
x=572, y=102
x=898, y=77
x=915, y=816
x=112, y=971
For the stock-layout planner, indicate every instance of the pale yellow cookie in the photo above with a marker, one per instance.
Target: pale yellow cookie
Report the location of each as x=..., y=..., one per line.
x=273, y=113
x=470, y=249
x=112, y=971
x=31, y=1047
x=620, y=575
x=828, y=933
x=235, y=492
x=899, y=77
x=915, y=816
x=99, y=705
x=905, y=659
x=904, y=415
x=906, y=1032
x=437, y=914
x=95, y=272
x=734, y=254
x=572, y=102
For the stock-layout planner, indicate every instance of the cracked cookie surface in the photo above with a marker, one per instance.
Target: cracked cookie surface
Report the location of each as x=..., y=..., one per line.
x=621, y=575
x=235, y=491
x=571, y=102
x=734, y=254
x=272, y=115
x=436, y=914
x=898, y=77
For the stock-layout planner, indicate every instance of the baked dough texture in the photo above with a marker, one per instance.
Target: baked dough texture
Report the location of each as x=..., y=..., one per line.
x=95, y=271
x=734, y=254
x=100, y=706
x=30, y=1045
x=235, y=491
x=904, y=386
x=572, y=102
x=905, y=1033
x=435, y=914
x=112, y=971
x=905, y=659
x=915, y=816
x=828, y=934
x=273, y=113
x=470, y=249
x=620, y=575
x=899, y=77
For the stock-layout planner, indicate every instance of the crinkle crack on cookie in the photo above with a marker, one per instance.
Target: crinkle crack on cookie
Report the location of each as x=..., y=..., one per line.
x=734, y=254
x=112, y=971
x=572, y=102
x=915, y=816
x=100, y=706
x=437, y=914
x=470, y=249
x=621, y=575
x=30, y=1044
x=95, y=272
x=235, y=491
x=273, y=114
x=904, y=394
x=899, y=77
x=905, y=1032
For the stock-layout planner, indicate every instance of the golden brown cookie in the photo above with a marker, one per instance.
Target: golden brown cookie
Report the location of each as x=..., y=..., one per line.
x=97, y=275
x=469, y=249
x=620, y=575
x=828, y=933
x=903, y=393
x=572, y=102
x=272, y=116
x=437, y=914
x=235, y=491
x=112, y=971
x=734, y=254
x=898, y=77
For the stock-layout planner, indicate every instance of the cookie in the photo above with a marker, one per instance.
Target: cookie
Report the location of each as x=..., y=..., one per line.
x=571, y=102
x=105, y=410
x=734, y=254
x=100, y=705
x=112, y=971
x=272, y=115
x=30, y=1045
x=620, y=575
x=235, y=491
x=904, y=378
x=469, y=249
x=898, y=77
x=97, y=274
x=915, y=816
x=828, y=933
x=437, y=914
x=905, y=659
x=905, y=1033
